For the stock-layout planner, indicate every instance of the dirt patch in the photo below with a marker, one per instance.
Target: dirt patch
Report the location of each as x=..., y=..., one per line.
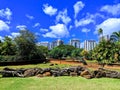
x=90, y=65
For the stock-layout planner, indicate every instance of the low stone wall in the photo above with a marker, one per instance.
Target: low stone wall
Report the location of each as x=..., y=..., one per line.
x=71, y=71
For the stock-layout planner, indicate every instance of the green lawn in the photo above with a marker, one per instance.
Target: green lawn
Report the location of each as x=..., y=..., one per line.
x=59, y=83
x=56, y=83
x=35, y=65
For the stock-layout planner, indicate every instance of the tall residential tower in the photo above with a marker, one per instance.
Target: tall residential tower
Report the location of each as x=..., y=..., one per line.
x=89, y=45
x=75, y=43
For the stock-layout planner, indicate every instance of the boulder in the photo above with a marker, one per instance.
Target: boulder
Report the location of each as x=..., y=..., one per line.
x=51, y=64
x=32, y=72
x=46, y=74
x=73, y=74
x=39, y=75
x=86, y=72
x=87, y=76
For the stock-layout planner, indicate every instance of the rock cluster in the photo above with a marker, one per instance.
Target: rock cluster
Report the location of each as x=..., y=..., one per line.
x=71, y=71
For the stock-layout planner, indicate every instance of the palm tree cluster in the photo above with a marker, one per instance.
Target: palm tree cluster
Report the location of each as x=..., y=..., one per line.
x=107, y=51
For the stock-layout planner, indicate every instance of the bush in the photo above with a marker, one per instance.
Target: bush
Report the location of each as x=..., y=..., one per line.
x=7, y=58
x=22, y=59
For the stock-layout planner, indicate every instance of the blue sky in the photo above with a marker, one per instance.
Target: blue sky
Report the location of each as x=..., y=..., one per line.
x=59, y=19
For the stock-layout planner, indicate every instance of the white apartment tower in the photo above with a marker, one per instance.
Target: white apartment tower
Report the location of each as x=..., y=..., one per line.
x=56, y=43
x=89, y=45
x=75, y=43
x=45, y=44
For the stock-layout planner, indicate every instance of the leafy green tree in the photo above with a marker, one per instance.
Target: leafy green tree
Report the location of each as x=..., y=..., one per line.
x=56, y=53
x=67, y=49
x=105, y=52
x=8, y=47
x=76, y=53
x=43, y=49
x=115, y=36
x=100, y=33
x=0, y=46
x=85, y=54
x=25, y=43
x=61, y=51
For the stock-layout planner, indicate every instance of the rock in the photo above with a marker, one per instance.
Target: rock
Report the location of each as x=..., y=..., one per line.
x=73, y=74
x=86, y=72
x=56, y=64
x=46, y=74
x=64, y=72
x=31, y=72
x=99, y=73
x=79, y=72
x=118, y=75
x=45, y=70
x=56, y=73
x=51, y=64
x=87, y=76
x=8, y=69
x=39, y=75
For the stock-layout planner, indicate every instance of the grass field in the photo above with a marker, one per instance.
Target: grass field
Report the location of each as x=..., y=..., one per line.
x=56, y=83
x=35, y=65
x=59, y=83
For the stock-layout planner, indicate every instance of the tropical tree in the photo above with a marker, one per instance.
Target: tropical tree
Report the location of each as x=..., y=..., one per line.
x=76, y=53
x=105, y=52
x=85, y=54
x=8, y=47
x=61, y=51
x=43, y=49
x=115, y=36
x=0, y=47
x=56, y=53
x=100, y=33
x=25, y=43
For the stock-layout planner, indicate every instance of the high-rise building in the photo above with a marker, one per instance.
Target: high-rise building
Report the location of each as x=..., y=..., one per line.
x=89, y=45
x=105, y=37
x=45, y=44
x=56, y=43
x=75, y=43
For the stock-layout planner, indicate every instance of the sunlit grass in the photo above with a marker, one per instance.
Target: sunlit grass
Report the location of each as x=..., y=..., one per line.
x=35, y=65
x=56, y=83
x=59, y=83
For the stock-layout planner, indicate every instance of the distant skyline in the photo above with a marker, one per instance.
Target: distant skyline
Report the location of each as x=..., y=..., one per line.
x=59, y=19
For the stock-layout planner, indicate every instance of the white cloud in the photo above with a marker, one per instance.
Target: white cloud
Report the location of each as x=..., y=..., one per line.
x=77, y=7
x=29, y=16
x=6, y=13
x=112, y=9
x=36, y=25
x=4, y=26
x=21, y=27
x=43, y=30
x=14, y=34
x=37, y=34
x=90, y=18
x=49, y=10
x=10, y=36
x=110, y=25
x=83, y=22
x=85, y=30
x=73, y=35
x=57, y=31
x=62, y=16
x=70, y=27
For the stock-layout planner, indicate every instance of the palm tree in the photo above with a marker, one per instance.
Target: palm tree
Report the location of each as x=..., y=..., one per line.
x=100, y=32
x=115, y=36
